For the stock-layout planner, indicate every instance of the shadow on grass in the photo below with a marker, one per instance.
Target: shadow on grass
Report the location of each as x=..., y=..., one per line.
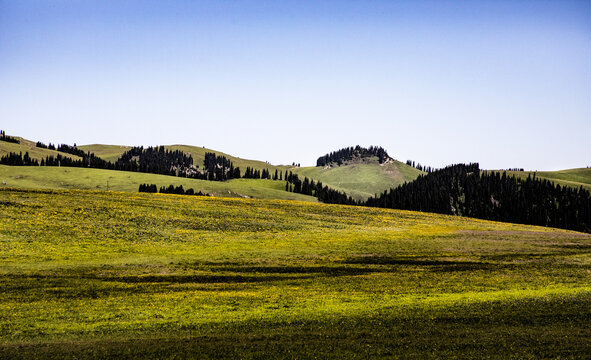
x=524, y=329
x=199, y=279
x=432, y=264
x=328, y=270
x=98, y=283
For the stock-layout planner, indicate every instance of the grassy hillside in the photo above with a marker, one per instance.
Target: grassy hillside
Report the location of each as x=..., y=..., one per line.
x=97, y=179
x=30, y=147
x=112, y=153
x=362, y=180
x=86, y=274
x=107, y=152
x=571, y=177
x=357, y=180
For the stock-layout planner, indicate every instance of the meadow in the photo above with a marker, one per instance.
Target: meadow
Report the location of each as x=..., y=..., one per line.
x=97, y=274
x=47, y=177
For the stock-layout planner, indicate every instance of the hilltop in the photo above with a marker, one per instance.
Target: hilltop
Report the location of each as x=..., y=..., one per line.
x=360, y=172
x=364, y=179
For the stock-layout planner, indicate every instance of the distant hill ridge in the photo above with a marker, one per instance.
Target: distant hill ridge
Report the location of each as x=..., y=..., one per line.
x=360, y=174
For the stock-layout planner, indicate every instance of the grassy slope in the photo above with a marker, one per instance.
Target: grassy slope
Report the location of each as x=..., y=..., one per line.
x=30, y=147
x=198, y=154
x=107, y=152
x=112, y=153
x=96, y=179
x=362, y=180
x=571, y=177
x=119, y=275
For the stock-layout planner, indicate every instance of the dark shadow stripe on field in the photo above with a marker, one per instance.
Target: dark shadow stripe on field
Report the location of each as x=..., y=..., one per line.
x=201, y=279
x=574, y=246
x=286, y=269
x=438, y=265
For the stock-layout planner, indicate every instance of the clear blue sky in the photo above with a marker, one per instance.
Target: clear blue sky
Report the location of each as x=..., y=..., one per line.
x=504, y=83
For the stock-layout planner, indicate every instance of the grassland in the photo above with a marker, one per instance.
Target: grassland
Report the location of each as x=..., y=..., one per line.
x=362, y=180
x=94, y=274
x=571, y=177
x=97, y=179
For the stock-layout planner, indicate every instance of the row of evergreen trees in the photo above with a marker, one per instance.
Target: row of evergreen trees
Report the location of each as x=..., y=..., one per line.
x=43, y=146
x=252, y=173
x=88, y=160
x=515, y=169
x=10, y=139
x=72, y=150
x=19, y=159
x=466, y=191
x=424, y=168
x=351, y=153
x=170, y=189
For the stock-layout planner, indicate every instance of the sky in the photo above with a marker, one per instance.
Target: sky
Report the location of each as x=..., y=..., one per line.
x=503, y=83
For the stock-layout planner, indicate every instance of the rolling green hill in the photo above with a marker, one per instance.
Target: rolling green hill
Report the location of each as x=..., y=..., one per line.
x=362, y=180
x=107, y=152
x=112, y=153
x=42, y=177
x=359, y=180
x=571, y=177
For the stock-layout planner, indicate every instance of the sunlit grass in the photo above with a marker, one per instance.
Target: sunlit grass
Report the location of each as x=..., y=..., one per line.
x=103, y=274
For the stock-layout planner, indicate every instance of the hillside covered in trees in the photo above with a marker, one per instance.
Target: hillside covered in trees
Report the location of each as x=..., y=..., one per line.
x=464, y=190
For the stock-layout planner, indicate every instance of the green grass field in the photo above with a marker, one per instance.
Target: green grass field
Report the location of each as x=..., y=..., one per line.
x=362, y=180
x=97, y=179
x=95, y=274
